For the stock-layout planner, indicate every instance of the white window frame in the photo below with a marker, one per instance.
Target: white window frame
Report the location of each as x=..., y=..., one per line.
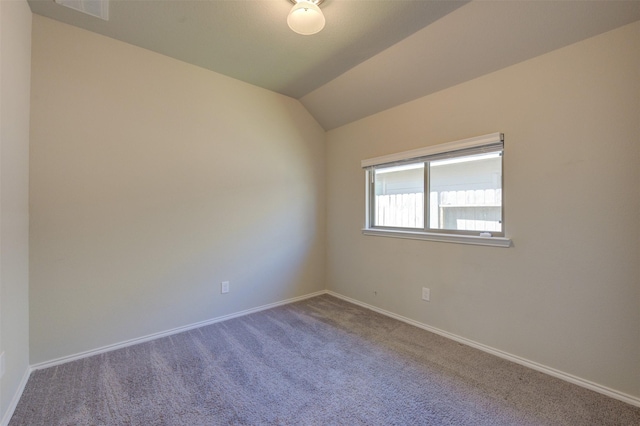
x=468, y=145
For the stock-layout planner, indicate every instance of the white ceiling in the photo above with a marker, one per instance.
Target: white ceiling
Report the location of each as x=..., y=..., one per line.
x=372, y=54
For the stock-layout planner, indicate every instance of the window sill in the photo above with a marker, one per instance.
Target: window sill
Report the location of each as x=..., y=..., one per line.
x=444, y=238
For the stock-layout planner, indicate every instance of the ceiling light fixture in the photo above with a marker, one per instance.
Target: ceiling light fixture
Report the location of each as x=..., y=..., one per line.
x=96, y=8
x=305, y=17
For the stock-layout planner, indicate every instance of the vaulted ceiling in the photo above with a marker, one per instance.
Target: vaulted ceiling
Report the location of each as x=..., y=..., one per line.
x=371, y=55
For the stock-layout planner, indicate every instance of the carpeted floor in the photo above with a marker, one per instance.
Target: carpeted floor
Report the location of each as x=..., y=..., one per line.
x=321, y=361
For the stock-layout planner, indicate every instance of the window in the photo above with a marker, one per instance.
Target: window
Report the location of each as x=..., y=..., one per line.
x=450, y=192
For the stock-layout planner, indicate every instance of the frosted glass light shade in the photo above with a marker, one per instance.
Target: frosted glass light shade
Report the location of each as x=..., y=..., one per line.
x=306, y=18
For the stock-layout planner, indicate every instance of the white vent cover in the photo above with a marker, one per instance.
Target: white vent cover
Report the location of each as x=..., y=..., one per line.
x=97, y=8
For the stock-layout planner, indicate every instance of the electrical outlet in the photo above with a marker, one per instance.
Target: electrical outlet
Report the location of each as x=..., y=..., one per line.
x=426, y=294
x=224, y=287
x=2, y=367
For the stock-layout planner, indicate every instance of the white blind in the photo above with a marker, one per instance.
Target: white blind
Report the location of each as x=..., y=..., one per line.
x=477, y=145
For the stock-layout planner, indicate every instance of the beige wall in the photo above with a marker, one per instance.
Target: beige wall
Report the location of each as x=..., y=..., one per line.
x=15, y=60
x=151, y=182
x=567, y=294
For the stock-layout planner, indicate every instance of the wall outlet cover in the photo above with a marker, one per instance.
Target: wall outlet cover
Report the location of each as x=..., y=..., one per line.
x=426, y=294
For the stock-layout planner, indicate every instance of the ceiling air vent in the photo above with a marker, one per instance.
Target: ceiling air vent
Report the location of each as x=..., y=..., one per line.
x=97, y=8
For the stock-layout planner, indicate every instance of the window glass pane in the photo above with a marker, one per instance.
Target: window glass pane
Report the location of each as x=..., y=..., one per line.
x=399, y=196
x=465, y=193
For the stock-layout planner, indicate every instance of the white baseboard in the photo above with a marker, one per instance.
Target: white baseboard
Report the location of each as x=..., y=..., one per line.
x=124, y=344
x=16, y=398
x=629, y=399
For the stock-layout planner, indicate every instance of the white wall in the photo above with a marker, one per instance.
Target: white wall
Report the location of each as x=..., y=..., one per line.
x=15, y=60
x=567, y=294
x=151, y=182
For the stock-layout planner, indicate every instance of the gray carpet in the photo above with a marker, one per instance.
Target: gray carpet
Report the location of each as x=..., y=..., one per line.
x=321, y=361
